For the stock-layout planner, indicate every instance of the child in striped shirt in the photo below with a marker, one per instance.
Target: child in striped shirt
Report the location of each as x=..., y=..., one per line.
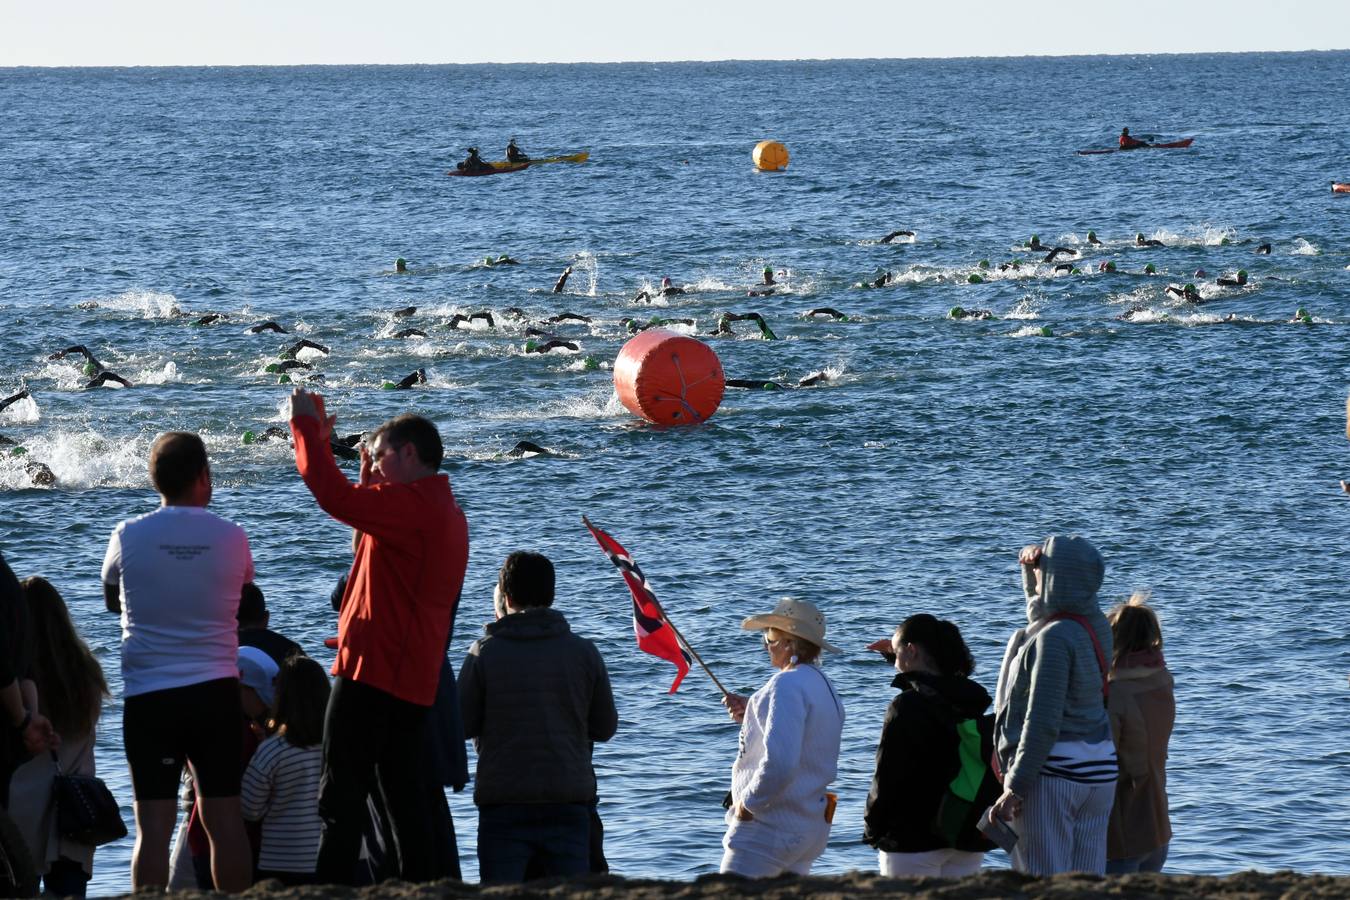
x=281, y=785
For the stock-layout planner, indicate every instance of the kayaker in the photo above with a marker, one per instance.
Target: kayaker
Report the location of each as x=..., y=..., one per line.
x=1129, y=143
x=515, y=154
x=474, y=163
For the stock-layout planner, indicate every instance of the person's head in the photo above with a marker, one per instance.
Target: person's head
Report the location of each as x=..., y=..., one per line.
x=665, y=281
x=511, y=143
x=793, y=633
x=526, y=581
x=1242, y=276
x=400, y=265
x=925, y=643
x=1125, y=131
x=406, y=448
x=252, y=607
x=1069, y=574
x=1134, y=628
x=69, y=679
x=302, y=699
x=257, y=682
x=179, y=470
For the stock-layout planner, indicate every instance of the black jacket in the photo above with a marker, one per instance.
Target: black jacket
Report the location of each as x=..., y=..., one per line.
x=917, y=759
x=534, y=696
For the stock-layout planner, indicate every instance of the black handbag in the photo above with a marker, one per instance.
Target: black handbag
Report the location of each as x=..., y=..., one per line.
x=85, y=809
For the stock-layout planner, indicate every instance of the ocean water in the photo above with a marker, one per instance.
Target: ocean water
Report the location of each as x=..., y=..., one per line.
x=1199, y=446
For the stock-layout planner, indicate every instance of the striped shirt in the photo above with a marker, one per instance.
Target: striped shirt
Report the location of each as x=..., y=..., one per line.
x=1087, y=762
x=281, y=788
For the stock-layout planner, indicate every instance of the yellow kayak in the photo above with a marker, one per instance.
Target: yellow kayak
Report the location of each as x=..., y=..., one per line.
x=540, y=160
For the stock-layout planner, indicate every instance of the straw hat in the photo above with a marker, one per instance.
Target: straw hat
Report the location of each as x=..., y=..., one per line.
x=795, y=617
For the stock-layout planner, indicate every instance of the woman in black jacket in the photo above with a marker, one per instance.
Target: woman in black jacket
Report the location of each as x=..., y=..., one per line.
x=932, y=780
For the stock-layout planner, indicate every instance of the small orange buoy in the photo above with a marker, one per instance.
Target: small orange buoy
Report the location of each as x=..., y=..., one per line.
x=770, y=156
x=668, y=378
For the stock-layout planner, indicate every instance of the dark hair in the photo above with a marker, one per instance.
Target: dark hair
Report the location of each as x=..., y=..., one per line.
x=70, y=681
x=527, y=579
x=252, y=606
x=1134, y=627
x=941, y=640
x=302, y=701
x=415, y=430
x=177, y=459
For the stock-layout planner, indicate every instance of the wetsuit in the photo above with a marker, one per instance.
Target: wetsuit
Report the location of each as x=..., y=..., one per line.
x=1129, y=143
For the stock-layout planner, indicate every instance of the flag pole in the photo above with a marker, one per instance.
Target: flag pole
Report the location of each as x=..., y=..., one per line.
x=678, y=636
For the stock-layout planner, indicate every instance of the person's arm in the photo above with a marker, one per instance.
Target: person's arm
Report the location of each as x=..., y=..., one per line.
x=112, y=572
x=1131, y=735
x=604, y=717
x=470, y=688
x=112, y=597
x=784, y=730
x=1045, y=710
x=255, y=790
x=888, y=780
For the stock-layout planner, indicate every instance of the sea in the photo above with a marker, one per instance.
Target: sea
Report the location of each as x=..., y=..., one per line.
x=1199, y=445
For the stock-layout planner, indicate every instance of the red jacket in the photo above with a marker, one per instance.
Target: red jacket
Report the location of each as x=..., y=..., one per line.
x=406, y=577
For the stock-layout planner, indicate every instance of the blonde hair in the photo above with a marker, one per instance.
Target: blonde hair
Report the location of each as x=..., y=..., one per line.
x=1134, y=627
x=804, y=650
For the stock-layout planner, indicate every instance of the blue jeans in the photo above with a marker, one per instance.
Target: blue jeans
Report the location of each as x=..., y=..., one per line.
x=1149, y=862
x=556, y=837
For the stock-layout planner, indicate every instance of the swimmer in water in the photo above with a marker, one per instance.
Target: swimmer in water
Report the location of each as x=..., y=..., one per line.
x=1106, y=266
x=666, y=290
x=400, y=266
x=102, y=378
x=767, y=277
x=460, y=319
x=302, y=344
x=562, y=280
x=1014, y=265
x=634, y=326
x=1234, y=281
x=404, y=312
x=1064, y=268
x=1093, y=239
x=211, y=319
x=1185, y=292
x=567, y=317
x=724, y=324
x=268, y=326
x=826, y=311
x=960, y=312
x=1141, y=241
x=532, y=347
x=1264, y=249
x=895, y=234
x=286, y=365
x=1035, y=243
x=418, y=377
x=528, y=448
x=502, y=260
x=409, y=332
x=82, y=350
x=1050, y=257
x=14, y=398
x=754, y=384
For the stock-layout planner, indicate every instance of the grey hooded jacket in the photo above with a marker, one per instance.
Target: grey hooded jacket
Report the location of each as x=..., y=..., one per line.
x=1050, y=683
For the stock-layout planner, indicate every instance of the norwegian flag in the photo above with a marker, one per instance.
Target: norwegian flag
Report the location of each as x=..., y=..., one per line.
x=654, y=634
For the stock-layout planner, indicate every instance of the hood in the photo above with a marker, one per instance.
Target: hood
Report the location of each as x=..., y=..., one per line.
x=529, y=625
x=964, y=696
x=1072, y=571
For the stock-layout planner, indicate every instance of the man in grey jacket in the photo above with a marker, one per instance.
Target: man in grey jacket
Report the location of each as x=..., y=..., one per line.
x=1052, y=731
x=534, y=697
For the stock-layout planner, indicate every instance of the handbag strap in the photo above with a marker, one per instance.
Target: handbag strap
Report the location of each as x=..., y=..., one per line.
x=1096, y=645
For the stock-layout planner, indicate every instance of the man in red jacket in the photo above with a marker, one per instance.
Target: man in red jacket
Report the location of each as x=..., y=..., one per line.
x=412, y=546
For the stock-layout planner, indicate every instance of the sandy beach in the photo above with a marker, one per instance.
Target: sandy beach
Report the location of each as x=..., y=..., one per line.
x=990, y=883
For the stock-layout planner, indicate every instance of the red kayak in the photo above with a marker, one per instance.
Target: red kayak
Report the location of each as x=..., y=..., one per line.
x=1174, y=145
x=512, y=167
x=1340, y=187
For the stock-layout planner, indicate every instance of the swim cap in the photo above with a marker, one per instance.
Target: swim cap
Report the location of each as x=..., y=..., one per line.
x=400, y=262
x=388, y=386
x=272, y=367
x=590, y=363
x=1224, y=242
x=90, y=369
x=974, y=279
x=1302, y=313
x=19, y=451
x=248, y=437
x=956, y=312
x=284, y=379
x=529, y=346
x=1110, y=267
x=1035, y=239
x=1200, y=273
x=665, y=282
x=1076, y=271
x=1150, y=270
x=1091, y=235
x=1242, y=273
x=1045, y=331
x=1138, y=235
x=768, y=270
x=984, y=264
x=771, y=386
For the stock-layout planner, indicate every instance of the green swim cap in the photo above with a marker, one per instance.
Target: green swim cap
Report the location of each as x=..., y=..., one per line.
x=843, y=318
x=1110, y=267
x=770, y=386
x=19, y=451
x=1302, y=313
x=248, y=437
x=956, y=312
x=1035, y=239
x=529, y=346
x=590, y=363
x=1190, y=287
x=400, y=261
x=1076, y=271
x=272, y=367
x=502, y=258
x=284, y=379
x=89, y=369
x=1091, y=235
x=1138, y=235
x=1045, y=331
x=768, y=270
x=388, y=386
x=1224, y=242
x=1150, y=270
x=974, y=279
x=984, y=264
x=1242, y=273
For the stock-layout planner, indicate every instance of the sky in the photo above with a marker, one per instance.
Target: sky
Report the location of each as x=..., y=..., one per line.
x=306, y=32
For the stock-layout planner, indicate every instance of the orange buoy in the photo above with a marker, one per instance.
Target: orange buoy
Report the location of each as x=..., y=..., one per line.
x=668, y=378
x=770, y=156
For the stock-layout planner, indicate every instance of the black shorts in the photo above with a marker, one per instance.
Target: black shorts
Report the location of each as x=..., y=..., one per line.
x=200, y=724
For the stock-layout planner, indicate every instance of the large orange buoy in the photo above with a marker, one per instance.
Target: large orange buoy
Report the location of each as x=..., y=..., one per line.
x=669, y=378
x=770, y=156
